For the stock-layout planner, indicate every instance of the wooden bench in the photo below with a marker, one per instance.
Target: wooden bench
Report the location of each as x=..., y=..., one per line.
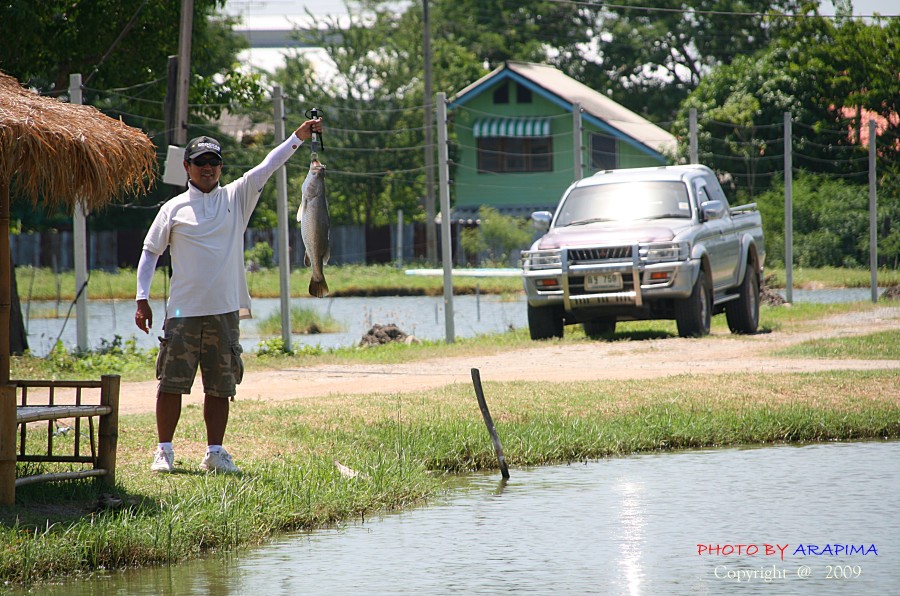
x=60, y=400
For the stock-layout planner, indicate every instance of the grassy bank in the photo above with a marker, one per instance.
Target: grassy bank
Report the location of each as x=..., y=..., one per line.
x=401, y=445
x=371, y=280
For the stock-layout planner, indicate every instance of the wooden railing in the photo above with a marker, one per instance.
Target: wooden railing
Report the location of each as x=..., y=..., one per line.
x=53, y=401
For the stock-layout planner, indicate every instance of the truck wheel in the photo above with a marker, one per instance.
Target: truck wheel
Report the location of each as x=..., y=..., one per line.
x=597, y=328
x=693, y=314
x=743, y=313
x=545, y=323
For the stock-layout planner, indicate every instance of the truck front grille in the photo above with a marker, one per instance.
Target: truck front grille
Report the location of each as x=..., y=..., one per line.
x=599, y=254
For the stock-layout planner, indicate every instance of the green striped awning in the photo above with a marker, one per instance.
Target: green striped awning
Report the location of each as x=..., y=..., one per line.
x=512, y=127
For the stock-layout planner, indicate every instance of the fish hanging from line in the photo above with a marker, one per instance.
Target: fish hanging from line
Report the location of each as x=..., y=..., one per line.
x=315, y=227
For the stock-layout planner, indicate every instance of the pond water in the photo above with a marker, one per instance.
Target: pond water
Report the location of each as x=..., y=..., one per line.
x=816, y=519
x=417, y=315
x=421, y=316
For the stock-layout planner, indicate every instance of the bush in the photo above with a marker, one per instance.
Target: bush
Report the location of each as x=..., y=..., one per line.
x=260, y=256
x=831, y=222
x=496, y=237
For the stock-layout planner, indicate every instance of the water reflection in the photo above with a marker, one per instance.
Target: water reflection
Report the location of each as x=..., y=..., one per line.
x=626, y=526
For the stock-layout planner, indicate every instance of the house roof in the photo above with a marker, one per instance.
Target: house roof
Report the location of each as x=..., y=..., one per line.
x=565, y=91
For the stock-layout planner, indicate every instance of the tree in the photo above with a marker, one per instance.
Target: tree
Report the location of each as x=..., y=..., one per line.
x=818, y=72
x=498, y=30
x=121, y=49
x=649, y=55
x=373, y=104
x=831, y=77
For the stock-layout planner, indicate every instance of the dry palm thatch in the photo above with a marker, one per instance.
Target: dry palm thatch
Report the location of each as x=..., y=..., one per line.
x=56, y=153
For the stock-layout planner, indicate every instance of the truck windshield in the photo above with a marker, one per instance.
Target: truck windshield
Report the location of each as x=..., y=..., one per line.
x=624, y=201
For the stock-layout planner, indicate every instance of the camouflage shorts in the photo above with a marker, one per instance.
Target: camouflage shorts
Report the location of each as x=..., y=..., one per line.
x=210, y=341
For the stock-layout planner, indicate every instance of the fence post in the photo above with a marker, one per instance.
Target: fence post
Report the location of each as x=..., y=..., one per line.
x=873, y=219
x=399, y=239
x=577, y=149
x=7, y=444
x=788, y=212
x=444, y=180
x=692, y=134
x=79, y=233
x=284, y=251
x=108, y=428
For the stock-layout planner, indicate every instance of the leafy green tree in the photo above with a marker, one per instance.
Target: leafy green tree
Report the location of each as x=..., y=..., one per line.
x=373, y=105
x=499, y=30
x=650, y=60
x=813, y=74
x=121, y=49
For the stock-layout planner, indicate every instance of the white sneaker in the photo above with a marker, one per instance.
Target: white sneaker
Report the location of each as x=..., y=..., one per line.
x=164, y=461
x=219, y=462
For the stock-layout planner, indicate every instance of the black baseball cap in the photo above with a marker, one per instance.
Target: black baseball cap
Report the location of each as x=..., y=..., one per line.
x=202, y=145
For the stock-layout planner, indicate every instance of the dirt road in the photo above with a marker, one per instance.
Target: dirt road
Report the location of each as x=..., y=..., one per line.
x=551, y=362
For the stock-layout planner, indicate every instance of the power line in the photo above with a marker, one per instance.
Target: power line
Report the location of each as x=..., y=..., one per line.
x=718, y=12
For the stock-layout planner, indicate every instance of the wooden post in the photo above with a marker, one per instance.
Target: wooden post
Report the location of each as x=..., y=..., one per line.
x=489, y=422
x=7, y=444
x=108, y=432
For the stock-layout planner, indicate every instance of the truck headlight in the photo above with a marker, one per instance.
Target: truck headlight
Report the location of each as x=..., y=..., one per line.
x=535, y=260
x=665, y=251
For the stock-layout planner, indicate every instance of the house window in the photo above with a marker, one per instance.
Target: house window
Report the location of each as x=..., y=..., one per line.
x=501, y=94
x=515, y=154
x=523, y=94
x=603, y=152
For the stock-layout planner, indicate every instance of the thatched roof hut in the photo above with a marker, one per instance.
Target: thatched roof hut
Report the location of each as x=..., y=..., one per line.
x=56, y=153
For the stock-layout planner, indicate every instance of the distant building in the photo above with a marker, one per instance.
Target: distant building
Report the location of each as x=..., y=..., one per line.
x=514, y=128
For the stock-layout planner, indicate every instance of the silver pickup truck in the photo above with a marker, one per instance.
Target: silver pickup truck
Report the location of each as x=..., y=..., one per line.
x=645, y=243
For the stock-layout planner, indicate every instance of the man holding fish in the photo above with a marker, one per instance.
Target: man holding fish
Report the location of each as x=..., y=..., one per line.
x=204, y=231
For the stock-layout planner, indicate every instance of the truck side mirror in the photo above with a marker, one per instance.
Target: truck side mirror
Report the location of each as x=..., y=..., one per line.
x=711, y=210
x=541, y=220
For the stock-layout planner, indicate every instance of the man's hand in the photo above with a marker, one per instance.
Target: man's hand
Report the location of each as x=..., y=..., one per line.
x=305, y=130
x=143, y=318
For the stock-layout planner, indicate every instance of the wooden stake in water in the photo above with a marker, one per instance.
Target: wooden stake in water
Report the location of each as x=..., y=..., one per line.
x=489, y=422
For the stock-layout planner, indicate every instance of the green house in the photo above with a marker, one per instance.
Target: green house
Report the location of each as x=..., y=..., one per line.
x=515, y=148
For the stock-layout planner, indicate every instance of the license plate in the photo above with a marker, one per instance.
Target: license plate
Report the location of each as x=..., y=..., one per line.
x=603, y=282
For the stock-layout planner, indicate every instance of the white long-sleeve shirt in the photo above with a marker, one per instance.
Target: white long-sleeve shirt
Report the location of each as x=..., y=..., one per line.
x=205, y=236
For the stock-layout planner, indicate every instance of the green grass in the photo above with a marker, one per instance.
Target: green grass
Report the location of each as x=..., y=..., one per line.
x=884, y=345
x=303, y=320
x=402, y=444
x=138, y=365
x=831, y=277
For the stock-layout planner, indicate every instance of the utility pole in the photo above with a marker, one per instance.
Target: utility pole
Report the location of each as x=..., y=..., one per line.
x=184, y=72
x=430, y=232
x=169, y=103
